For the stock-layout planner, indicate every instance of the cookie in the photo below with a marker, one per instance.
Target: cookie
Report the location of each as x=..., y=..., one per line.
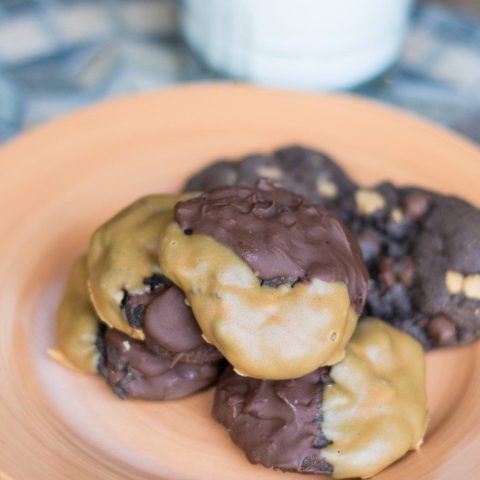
x=304, y=171
x=171, y=362
x=135, y=371
x=447, y=259
x=420, y=248
x=349, y=420
x=275, y=282
x=123, y=261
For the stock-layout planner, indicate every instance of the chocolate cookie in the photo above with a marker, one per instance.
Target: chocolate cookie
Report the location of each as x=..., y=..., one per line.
x=446, y=258
x=420, y=248
x=337, y=420
x=305, y=171
x=275, y=282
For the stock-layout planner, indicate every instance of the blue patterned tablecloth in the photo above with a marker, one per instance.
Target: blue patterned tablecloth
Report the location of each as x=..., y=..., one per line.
x=58, y=55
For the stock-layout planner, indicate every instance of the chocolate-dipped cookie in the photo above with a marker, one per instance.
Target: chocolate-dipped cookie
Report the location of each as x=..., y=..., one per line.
x=123, y=270
x=173, y=361
x=151, y=346
x=275, y=282
x=349, y=420
x=304, y=171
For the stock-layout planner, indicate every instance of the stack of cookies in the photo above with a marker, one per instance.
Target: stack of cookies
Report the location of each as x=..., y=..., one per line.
x=259, y=285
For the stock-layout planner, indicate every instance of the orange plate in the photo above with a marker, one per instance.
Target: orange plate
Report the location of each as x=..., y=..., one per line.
x=58, y=182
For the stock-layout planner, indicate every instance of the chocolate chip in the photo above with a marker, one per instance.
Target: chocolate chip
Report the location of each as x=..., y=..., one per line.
x=386, y=272
x=405, y=269
x=442, y=329
x=134, y=308
x=276, y=282
x=157, y=281
x=416, y=205
x=321, y=442
x=188, y=231
x=392, y=271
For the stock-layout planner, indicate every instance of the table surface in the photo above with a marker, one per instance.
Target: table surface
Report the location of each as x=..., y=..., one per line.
x=467, y=5
x=59, y=55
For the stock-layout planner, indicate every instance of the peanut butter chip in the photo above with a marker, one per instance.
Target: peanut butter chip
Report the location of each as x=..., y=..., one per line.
x=471, y=286
x=231, y=178
x=77, y=323
x=375, y=409
x=123, y=252
x=272, y=173
x=264, y=332
x=454, y=282
x=397, y=216
x=326, y=188
x=369, y=201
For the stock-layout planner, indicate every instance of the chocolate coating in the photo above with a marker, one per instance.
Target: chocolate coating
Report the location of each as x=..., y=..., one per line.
x=276, y=423
x=170, y=323
x=174, y=361
x=278, y=234
x=132, y=370
x=169, y=327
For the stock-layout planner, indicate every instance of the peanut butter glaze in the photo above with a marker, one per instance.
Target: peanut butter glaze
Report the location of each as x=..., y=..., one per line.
x=77, y=323
x=350, y=420
x=278, y=234
x=375, y=410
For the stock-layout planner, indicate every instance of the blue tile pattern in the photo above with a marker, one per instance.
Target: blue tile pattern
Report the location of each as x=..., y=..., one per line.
x=58, y=55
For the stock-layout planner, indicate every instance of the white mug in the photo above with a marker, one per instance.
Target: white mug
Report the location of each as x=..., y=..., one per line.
x=308, y=44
